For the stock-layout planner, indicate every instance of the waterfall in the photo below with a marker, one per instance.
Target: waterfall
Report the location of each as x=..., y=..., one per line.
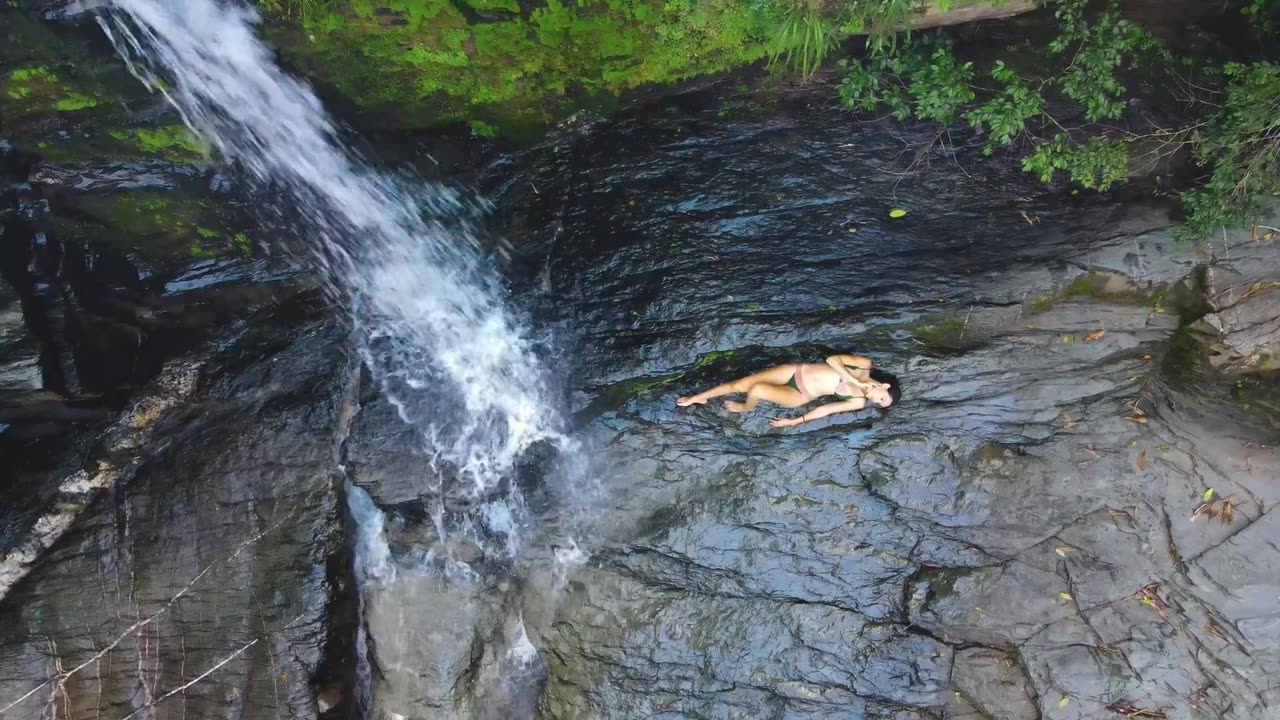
x=403, y=257
x=403, y=254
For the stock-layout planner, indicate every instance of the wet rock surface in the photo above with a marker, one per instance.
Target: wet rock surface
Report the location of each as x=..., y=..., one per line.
x=1019, y=531
x=1028, y=535
x=1242, y=292
x=217, y=553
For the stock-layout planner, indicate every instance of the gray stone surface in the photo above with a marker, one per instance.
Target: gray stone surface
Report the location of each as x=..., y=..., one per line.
x=1018, y=531
x=1244, y=292
x=203, y=583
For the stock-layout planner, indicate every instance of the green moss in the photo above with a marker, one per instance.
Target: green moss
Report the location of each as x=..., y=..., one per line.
x=170, y=140
x=1091, y=284
x=158, y=228
x=706, y=359
x=74, y=101
x=712, y=357
x=1117, y=288
x=423, y=59
x=37, y=89
x=640, y=386
x=943, y=332
x=1044, y=302
x=483, y=129
x=23, y=75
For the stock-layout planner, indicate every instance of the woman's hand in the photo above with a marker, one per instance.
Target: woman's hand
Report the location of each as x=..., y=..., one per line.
x=785, y=422
x=837, y=363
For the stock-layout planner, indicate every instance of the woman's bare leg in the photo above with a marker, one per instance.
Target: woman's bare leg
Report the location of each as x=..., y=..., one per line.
x=776, y=394
x=778, y=375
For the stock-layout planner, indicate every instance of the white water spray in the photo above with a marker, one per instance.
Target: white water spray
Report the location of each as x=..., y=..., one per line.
x=434, y=325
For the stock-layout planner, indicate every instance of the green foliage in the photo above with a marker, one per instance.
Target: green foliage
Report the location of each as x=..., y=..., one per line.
x=881, y=20
x=803, y=40
x=924, y=80
x=1099, y=48
x=1238, y=145
x=921, y=79
x=521, y=63
x=941, y=87
x=1005, y=115
x=423, y=59
x=1240, y=150
x=1096, y=164
x=1263, y=16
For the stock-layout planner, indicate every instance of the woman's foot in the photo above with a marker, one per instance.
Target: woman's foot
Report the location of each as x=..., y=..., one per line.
x=691, y=400
x=734, y=406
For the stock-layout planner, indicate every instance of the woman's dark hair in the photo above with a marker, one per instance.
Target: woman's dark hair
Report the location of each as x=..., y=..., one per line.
x=895, y=387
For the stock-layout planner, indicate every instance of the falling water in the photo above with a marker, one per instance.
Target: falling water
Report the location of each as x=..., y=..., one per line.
x=401, y=255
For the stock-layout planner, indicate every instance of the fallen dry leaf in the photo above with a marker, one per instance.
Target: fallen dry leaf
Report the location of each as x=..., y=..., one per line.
x=1223, y=508
x=1142, y=460
x=1094, y=335
x=1137, y=418
x=1257, y=287
x=1132, y=711
x=1147, y=596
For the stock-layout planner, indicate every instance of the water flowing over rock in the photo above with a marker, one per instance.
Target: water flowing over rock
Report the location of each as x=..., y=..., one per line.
x=1066, y=517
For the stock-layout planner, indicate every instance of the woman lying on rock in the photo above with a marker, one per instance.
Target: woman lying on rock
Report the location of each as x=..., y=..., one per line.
x=850, y=379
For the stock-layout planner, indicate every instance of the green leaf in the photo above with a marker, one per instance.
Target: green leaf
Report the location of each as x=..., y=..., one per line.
x=1065, y=596
x=897, y=213
x=1064, y=702
x=1208, y=495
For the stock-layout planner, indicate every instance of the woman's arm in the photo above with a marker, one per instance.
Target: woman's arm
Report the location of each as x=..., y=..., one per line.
x=822, y=411
x=842, y=363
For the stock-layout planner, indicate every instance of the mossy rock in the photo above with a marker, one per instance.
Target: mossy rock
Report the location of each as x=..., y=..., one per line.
x=1103, y=285
x=164, y=229
x=424, y=61
x=63, y=99
x=939, y=332
x=174, y=143
x=37, y=89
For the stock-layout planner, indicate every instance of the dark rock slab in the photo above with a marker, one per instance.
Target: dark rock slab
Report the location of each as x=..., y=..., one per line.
x=205, y=581
x=155, y=175
x=994, y=683
x=1024, y=511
